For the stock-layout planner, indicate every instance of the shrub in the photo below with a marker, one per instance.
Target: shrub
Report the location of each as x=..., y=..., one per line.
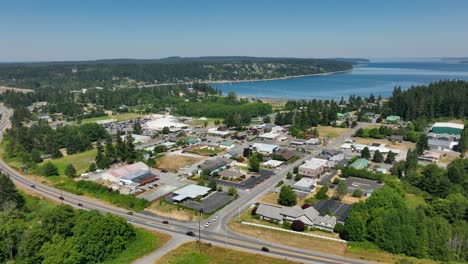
x=254, y=211
x=322, y=193
x=298, y=177
x=357, y=193
x=298, y=225
x=305, y=206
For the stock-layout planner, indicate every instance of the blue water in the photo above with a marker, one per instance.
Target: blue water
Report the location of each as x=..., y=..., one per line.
x=377, y=77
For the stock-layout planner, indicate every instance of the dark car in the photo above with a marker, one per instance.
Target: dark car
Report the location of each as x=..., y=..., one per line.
x=265, y=249
x=190, y=233
x=165, y=222
x=164, y=171
x=61, y=198
x=80, y=204
x=130, y=213
x=33, y=186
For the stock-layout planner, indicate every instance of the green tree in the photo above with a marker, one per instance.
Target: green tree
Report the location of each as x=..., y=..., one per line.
x=232, y=191
x=9, y=196
x=322, y=193
x=212, y=185
x=254, y=163
x=378, y=157
x=287, y=196
x=390, y=157
x=365, y=153
x=165, y=130
x=298, y=177
x=137, y=128
x=357, y=193
x=49, y=169
x=342, y=189
x=110, y=150
x=355, y=227
x=422, y=144
x=70, y=171
x=36, y=156
x=267, y=119
x=289, y=175
x=92, y=167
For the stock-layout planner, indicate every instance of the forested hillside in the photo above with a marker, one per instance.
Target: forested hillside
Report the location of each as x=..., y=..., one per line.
x=127, y=73
x=440, y=99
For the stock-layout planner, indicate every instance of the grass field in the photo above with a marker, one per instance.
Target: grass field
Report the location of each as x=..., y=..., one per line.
x=199, y=123
x=145, y=242
x=80, y=161
x=175, y=162
x=188, y=254
x=331, y=132
x=118, y=117
x=413, y=201
x=205, y=151
x=404, y=146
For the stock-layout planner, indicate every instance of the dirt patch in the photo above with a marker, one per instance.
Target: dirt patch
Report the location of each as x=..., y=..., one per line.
x=391, y=145
x=332, y=132
x=175, y=162
x=165, y=209
x=4, y=89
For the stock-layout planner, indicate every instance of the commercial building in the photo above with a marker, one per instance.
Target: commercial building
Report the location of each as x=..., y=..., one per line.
x=226, y=144
x=285, y=154
x=447, y=128
x=269, y=136
x=214, y=165
x=161, y=121
x=138, y=138
x=137, y=173
x=190, y=191
x=360, y=164
x=306, y=185
x=272, y=163
x=313, y=168
x=265, y=148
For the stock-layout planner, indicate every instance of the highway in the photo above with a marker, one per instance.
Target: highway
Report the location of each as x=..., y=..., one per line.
x=219, y=233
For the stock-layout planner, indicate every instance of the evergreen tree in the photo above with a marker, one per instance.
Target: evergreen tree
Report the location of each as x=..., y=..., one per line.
x=70, y=171
x=130, y=152
x=49, y=169
x=287, y=196
x=110, y=150
x=120, y=147
x=365, y=153
x=390, y=157
x=342, y=189
x=9, y=196
x=36, y=156
x=378, y=157
x=422, y=144
x=254, y=163
x=137, y=127
x=92, y=167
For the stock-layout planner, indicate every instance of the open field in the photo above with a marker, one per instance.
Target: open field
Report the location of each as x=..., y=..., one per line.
x=200, y=123
x=175, y=162
x=80, y=161
x=331, y=132
x=118, y=117
x=188, y=253
x=145, y=242
x=165, y=209
x=315, y=244
x=447, y=157
x=205, y=151
x=405, y=145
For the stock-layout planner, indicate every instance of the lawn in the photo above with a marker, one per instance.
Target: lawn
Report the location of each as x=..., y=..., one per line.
x=331, y=132
x=175, y=162
x=145, y=242
x=118, y=117
x=413, y=200
x=404, y=146
x=80, y=161
x=205, y=151
x=196, y=122
x=188, y=254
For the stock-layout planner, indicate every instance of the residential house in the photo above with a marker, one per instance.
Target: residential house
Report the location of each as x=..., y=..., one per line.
x=286, y=154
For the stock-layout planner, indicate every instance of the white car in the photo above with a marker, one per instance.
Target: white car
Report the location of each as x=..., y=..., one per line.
x=207, y=225
x=215, y=218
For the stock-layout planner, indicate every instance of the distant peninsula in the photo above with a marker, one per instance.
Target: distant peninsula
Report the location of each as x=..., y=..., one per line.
x=121, y=73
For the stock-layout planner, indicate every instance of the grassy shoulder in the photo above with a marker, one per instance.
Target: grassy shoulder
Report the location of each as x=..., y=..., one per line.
x=351, y=250
x=118, y=117
x=144, y=243
x=188, y=254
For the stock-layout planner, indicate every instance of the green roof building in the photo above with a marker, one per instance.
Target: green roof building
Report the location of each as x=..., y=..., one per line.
x=360, y=164
x=192, y=141
x=393, y=118
x=447, y=128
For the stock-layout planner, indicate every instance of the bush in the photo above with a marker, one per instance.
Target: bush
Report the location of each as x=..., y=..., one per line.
x=322, y=193
x=310, y=200
x=280, y=183
x=254, y=211
x=357, y=193
x=305, y=206
x=286, y=225
x=296, y=170
x=289, y=176
x=298, y=177
x=298, y=225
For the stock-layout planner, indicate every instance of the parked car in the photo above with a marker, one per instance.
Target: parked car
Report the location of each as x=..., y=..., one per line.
x=265, y=249
x=33, y=186
x=165, y=222
x=130, y=213
x=190, y=232
x=80, y=204
x=61, y=198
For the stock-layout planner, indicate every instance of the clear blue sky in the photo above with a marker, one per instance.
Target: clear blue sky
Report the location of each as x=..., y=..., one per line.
x=96, y=29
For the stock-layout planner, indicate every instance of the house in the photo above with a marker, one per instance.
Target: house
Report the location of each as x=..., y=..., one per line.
x=216, y=132
x=240, y=136
x=393, y=118
x=226, y=145
x=306, y=185
x=190, y=191
x=313, y=141
x=265, y=148
x=214, y=165
x=335, y=208
x=232, y=172
x=269, y=136
x=231, y=154
x=439, y=144
x=309, y=216
x=138, y=138
x=272, y=163
x=360, y=164
x=396, y=138
x=297, y=142
x=193, y=141
x=286, y=154
x=447, y=128
x=313, y=167
x=429, y=156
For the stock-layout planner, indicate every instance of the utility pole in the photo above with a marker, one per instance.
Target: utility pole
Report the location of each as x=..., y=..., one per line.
x=199, y=229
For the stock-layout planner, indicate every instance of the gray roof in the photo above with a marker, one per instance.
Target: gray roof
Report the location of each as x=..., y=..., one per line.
x=190, y=191
x=309, y=215
x=270, y=211
x=230, y=173
x=214, y=164
x=439, y=143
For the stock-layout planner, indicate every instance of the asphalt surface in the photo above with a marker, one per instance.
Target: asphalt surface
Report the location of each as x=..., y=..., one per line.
x=218, y=233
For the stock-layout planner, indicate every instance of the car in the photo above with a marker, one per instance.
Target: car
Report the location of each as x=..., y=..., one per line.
x=265, y=249
x=207, y=225
x=132, y=220
x=191, y=233
x=165, y=222
x=164, y=171
x=61, y=198
x=80, y=204
x=130, y=213
x=149, y=186
x=33, y=186
x=215, y=218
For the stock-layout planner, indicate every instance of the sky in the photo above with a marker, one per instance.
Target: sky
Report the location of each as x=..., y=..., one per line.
x=52, y=30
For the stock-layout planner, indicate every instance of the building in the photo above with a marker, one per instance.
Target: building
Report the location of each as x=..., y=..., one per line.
x=439, y=144
x=313, y=141
x=313, y=168
x=447, y=128
x=272, y=163
x=127, y=173
x=265, y=148
x=396, y=138
x=309, y=216
x=232, y=172
x=393, y=118
x=161, y=121
x=429, y=156
x=216, y=132
x=269, y=136
x=138, y=178
x=306, y=185
x=138, y=138
x=286, y=154
x=193, y=141
x=360, y=164
x=226, y=144
x=190, y=191
x=335, y=208
x=214, y=165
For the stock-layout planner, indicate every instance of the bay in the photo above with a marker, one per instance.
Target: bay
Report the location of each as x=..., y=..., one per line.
x=378, y=77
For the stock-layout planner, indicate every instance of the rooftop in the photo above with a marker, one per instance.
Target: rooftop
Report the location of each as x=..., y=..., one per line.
x=360, y=164
x=314, y=163
x=190, y=191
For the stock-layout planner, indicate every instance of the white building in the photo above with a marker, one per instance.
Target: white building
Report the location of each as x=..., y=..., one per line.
x=305, y=184
x=269, y=136
x=115, y=175
x=265, y=148
x=161, y=121
x=138, y=138
x=313, y=168
x=190, y=191
x=215, y=132
x=272, y=163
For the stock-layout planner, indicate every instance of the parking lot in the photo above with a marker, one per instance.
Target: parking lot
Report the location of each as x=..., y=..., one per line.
x=367, y=186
